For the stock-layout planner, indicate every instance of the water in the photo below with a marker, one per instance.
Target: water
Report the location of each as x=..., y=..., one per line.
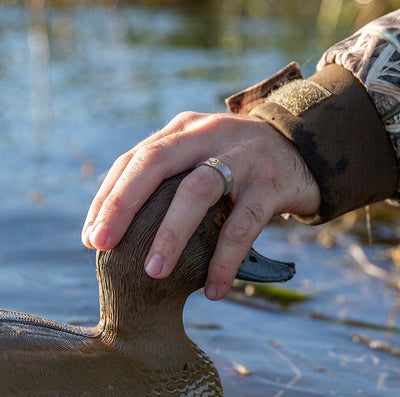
x=80, y=85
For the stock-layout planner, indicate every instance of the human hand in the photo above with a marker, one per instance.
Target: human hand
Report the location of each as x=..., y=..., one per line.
x=270, y=178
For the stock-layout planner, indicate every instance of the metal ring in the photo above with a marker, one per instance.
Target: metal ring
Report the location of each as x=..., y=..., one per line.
x=222, y=169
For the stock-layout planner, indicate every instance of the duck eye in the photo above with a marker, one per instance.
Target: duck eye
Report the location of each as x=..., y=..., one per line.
x=219, y=219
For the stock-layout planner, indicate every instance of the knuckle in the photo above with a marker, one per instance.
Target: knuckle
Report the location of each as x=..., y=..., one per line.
x=150, y=153
x=220, y=120
x=199, y=187
x=115, y=204
x=122, y=160
x=187, y=115
x=238, y=232
x=255, y=212
x=167, y=239
x=242, y=229
x=183, y=118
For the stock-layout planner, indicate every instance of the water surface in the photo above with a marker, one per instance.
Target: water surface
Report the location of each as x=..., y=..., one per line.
x=79, y=86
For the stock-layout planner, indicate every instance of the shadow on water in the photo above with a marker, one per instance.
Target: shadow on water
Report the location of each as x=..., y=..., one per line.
x=81, y=84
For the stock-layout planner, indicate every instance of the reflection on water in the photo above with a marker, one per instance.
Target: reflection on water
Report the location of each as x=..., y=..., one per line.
x=79, y=85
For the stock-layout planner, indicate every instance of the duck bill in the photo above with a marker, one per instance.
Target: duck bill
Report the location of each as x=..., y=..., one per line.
x=257, y=267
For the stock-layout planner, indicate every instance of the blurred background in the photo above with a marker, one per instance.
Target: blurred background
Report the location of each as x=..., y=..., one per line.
x=83, y=81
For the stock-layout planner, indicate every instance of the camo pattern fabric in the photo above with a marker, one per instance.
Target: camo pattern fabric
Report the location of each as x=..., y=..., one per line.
x=372, y=54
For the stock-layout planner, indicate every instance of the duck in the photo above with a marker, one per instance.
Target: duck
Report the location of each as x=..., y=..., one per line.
x=139, y=346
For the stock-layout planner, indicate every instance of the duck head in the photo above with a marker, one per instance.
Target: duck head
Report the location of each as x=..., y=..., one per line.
x=140, y=346
x=143, y=314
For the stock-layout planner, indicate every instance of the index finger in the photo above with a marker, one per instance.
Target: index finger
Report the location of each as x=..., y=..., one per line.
x=148, y=167
x=177, y=124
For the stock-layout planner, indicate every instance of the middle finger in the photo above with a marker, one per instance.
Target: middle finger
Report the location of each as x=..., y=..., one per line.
x=197, y=192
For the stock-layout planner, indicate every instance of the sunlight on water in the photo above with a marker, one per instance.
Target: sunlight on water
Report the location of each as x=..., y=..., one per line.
x=79, y=85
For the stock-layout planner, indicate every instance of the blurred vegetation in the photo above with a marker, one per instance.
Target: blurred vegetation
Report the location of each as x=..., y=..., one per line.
x=282, y=295
x=217, y=23
x=332, y=19
x=291, y=25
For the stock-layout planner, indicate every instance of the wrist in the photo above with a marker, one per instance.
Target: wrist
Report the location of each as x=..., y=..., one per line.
x=335, y=127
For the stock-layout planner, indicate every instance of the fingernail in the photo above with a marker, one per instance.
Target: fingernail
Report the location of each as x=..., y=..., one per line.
x=86, y=233
x=211, y=291
x=98, y=236
x=154, y=265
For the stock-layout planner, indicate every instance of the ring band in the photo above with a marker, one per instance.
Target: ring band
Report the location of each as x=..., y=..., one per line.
x=222, y=169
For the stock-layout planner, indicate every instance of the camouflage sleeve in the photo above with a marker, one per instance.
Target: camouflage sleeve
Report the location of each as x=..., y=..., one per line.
x=372, y=54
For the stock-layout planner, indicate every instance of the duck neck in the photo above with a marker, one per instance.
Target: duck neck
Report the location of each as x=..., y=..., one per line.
x=142, y=314
x=132, y=318
x=136, y=317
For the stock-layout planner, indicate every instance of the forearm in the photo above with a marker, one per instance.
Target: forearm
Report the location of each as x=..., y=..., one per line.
x=372, y=54
x=335, y=123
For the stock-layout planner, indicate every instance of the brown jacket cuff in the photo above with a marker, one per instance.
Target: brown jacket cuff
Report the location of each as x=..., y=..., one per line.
x=334, y=125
